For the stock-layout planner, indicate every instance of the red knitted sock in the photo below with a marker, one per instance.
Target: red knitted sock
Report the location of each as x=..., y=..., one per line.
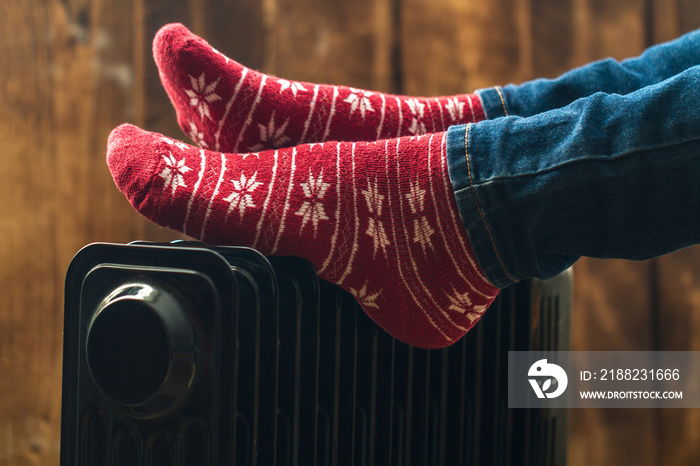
x=377, y=218
x=224, y=106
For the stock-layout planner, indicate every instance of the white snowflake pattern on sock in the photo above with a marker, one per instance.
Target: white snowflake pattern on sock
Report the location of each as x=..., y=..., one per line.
x=421, y=227
x=174, y=172
x=375, y=227
x=197, y=136
x=359, y=100
x=202, y=94
x=417, y=110
x=416, y=197
x=312, y=209
x=294, y=87
x=242, y=197
x=364, y=297
x=179, y=144
x=271, y=135
x=461, y=303
x=456, y=109
x=422, y=232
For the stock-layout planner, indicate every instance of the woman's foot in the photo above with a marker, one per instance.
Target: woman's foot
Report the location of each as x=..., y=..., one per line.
x=377, y=218
x=224, y=106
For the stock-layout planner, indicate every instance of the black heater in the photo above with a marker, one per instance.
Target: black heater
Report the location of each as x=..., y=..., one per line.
x=183, y=354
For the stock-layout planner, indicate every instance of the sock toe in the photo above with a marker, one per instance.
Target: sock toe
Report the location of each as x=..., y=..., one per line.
x=133, y=158
x=179, y=53
x=168, y=41
x=195, y=76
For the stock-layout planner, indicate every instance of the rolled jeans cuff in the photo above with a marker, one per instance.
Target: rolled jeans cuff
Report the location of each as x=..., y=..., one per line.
x=475, y=219
x=493, y=102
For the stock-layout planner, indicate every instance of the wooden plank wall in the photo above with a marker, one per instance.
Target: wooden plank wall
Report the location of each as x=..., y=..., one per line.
x=71, y=70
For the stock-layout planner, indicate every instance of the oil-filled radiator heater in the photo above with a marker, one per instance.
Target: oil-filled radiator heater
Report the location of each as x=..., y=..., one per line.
x=183, y=354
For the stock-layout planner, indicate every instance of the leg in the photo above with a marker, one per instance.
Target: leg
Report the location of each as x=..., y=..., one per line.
x=377, y=218
x=222, y=105
x=225, y=106
x=653, y=66
x=607, y=176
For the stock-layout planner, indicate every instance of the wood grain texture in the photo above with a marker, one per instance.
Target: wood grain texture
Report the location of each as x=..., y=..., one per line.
x=72, y=70
x=452, y=47
x=65, y=83
x=340, y=42
x=677, y=280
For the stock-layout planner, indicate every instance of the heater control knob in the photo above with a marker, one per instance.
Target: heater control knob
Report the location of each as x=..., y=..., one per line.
x=141, y=349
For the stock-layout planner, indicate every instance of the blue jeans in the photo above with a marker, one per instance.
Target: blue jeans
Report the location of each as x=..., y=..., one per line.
x=603, y=162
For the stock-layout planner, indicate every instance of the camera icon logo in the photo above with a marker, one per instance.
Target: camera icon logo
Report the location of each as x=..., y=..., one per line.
x=556, y=379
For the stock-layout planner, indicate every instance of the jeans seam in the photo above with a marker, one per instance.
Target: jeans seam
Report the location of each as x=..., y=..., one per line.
x=478, y=205
x=503, y=101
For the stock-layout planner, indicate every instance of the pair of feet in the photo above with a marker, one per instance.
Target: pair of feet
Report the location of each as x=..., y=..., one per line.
x=354, y=181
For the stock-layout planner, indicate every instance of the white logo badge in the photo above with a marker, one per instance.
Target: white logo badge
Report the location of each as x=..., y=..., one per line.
x=542, y=369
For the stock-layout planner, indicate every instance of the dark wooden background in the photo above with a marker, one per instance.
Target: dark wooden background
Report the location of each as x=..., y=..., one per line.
x=72, y=70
